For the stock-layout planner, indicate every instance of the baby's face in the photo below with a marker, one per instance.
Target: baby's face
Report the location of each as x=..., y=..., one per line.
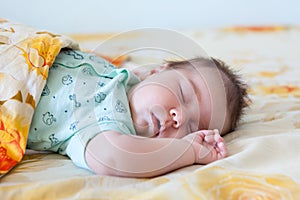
x=170, y=104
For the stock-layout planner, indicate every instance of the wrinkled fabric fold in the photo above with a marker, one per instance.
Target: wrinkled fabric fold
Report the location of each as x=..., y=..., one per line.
x=26, y=54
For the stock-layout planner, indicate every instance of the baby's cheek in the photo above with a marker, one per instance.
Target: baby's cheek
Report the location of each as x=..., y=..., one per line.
x=170, y=97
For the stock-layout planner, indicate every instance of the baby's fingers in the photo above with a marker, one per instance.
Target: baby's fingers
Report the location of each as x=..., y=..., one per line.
x=212, y=136
x=222, y=150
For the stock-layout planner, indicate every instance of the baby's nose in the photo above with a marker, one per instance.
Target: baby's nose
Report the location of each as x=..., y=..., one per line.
x=176, y=118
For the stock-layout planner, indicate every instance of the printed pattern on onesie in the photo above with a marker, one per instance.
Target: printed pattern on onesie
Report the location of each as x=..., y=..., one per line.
x=84, y=95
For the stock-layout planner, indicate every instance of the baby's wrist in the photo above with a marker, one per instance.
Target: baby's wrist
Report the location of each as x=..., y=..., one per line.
x=192, y=152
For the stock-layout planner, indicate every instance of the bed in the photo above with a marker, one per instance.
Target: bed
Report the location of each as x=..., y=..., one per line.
x=264, y=153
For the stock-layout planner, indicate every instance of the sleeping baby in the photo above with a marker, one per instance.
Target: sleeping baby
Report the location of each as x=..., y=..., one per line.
x=121, y=122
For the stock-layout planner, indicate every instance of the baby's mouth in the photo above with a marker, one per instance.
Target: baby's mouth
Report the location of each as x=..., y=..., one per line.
x=156, y=125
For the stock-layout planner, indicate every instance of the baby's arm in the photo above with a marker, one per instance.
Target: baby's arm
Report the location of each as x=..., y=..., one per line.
x=112, y=153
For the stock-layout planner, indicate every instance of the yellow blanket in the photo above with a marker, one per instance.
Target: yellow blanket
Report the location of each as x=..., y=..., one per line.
x=25, y=57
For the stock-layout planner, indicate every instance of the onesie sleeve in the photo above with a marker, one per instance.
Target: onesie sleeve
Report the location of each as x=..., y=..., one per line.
x=78, y=143
x=113, y=113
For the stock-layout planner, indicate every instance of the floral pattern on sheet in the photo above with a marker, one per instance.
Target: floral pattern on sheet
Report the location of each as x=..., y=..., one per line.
x=221, y=183
x=25, y=58
x=39, y=52
x=11, y=138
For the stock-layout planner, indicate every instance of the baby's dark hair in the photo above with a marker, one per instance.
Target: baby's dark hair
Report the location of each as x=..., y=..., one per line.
x=235, y=88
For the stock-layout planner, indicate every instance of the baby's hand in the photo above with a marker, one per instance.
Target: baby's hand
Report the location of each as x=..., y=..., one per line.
x=208, y=146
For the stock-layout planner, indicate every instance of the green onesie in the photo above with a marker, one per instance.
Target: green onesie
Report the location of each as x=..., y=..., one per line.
x=84, y=96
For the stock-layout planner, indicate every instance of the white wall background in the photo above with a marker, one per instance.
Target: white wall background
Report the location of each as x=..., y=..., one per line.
x=66, y=16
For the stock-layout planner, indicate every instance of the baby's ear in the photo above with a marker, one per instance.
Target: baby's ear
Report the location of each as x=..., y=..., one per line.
x=159, y=69
x=143, y=74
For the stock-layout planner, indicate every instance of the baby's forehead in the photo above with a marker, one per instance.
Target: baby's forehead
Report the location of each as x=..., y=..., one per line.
x=199, y=72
